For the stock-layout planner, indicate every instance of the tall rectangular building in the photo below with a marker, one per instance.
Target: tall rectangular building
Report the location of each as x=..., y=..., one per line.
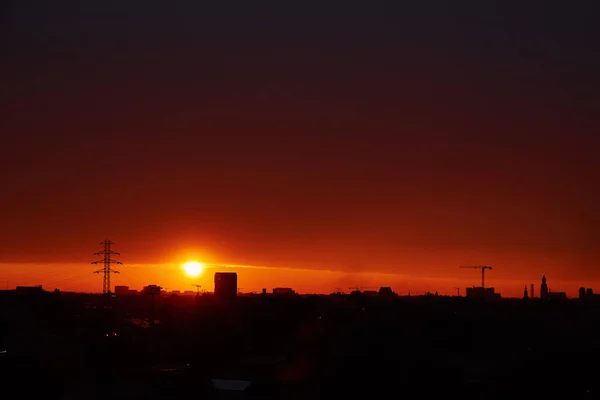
x=225, y=284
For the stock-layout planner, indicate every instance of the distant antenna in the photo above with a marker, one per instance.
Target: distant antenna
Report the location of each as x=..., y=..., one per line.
x=107, y=261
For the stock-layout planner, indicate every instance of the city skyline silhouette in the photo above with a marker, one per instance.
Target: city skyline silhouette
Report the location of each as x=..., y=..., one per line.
x=256, y=279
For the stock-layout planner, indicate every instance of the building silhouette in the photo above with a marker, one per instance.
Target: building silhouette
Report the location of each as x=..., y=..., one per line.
x=546, y=293
x=370, y=293
x=226, y=284
x=124, y=291
x=283, y=291
x=386, y=291
x=588, y=294
x=531, y=295
x=29, y=290
x=483, y=292
x=557, y=295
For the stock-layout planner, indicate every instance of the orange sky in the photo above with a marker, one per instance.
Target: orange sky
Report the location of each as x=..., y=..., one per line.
x=325, y=269
x=77, y=277
x=369, y=142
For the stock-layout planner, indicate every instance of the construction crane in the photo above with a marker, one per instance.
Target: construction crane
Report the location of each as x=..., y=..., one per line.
x=482, y=268
x=198, y=289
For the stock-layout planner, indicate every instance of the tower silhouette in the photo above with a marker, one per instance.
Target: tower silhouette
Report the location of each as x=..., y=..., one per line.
x=544, y=288
x=531, y=291
x=107, y=261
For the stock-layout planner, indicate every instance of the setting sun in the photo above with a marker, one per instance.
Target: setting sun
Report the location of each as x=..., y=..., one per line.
x=193, y=268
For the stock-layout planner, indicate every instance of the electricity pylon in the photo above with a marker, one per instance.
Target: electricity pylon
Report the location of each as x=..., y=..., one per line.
x=107, y=261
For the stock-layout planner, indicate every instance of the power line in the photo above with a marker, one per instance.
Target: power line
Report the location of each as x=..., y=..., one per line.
x=107, y=261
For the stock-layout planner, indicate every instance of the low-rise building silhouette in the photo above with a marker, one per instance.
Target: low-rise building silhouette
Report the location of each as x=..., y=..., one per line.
x=283, y=291
x=386, y=291
x=28, y=290
x=124, y=291
x=372, y=293
x=557, y=295
x=547, y=294
x=588, y=294
x=483, y=293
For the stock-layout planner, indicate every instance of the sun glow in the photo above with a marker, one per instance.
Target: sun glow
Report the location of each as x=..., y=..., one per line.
x=193, y=268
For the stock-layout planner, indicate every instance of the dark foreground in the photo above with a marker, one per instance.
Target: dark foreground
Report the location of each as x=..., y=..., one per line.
x=85, y=347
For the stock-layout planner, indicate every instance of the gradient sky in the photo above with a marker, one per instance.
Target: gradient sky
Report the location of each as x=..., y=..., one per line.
x=374, y=137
